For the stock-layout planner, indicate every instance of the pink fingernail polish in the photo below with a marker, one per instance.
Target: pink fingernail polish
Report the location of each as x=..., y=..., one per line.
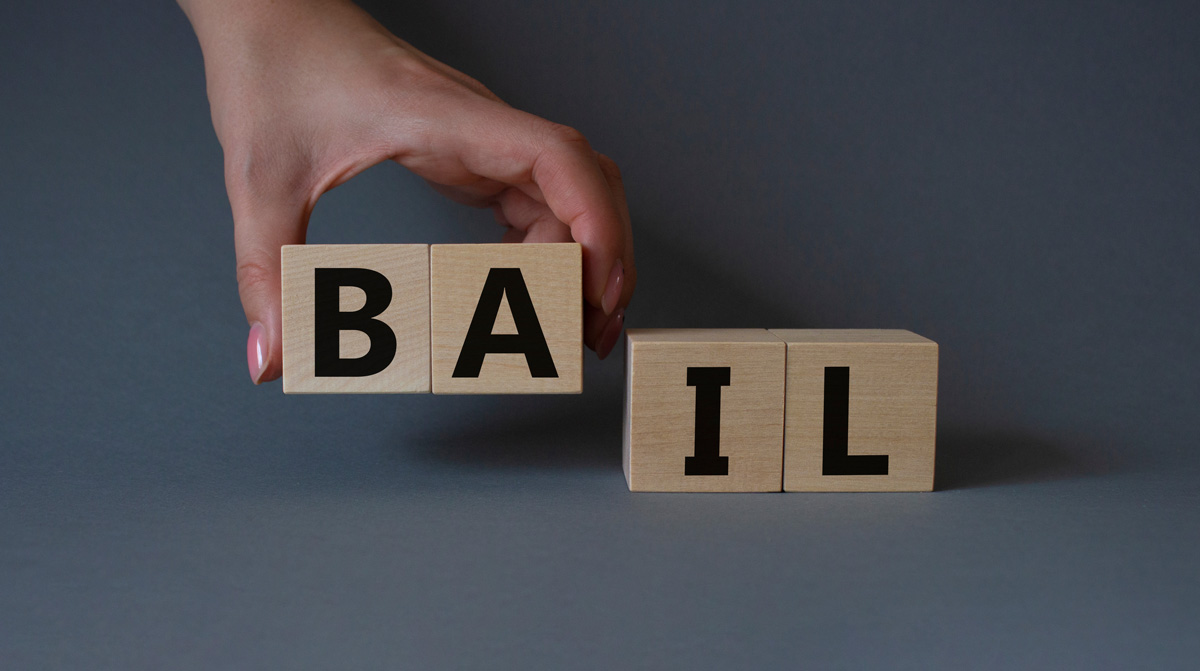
x=256, y=352
x=612, y=291
x=611, y=333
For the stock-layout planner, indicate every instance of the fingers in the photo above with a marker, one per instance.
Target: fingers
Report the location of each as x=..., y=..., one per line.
x=610, y=333
x=571, y=180
x=616, y=185
x=563, y=191
x=601, y=332
x=261, y=227
x=551, y=164
x=531, y=221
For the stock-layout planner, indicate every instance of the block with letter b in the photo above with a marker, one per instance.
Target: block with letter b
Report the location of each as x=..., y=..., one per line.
x=704, y=410
x=355, y=319
x=507, y=318
x=861, y=410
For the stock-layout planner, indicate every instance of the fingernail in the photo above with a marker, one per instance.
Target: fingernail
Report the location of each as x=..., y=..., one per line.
x=256, y=352
x=611, y=333
x=612, y=291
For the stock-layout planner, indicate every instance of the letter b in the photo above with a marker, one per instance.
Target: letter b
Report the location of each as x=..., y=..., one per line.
x=392, y=324
x=329, y=321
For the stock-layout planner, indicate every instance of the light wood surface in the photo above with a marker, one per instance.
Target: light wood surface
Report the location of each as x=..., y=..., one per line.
x=407, y=269
x=553, y=276
x=892, y=407
x=660, y=408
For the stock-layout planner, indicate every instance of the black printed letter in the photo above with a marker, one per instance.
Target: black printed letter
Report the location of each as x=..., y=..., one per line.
x=528, y=339
x=707, y=459
x=329, y=322
x=836, y=457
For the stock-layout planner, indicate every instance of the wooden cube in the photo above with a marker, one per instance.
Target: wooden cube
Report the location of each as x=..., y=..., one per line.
x=355, y=319
x=507, y=318
x=704, y=410
x=861, y=410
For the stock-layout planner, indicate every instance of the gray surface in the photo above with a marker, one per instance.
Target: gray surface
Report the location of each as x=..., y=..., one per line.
x=1019, y=182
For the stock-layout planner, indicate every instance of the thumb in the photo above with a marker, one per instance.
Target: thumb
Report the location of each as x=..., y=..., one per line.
x=261, y=228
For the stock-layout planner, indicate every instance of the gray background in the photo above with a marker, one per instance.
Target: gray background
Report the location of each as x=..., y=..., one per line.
x=1018, y=181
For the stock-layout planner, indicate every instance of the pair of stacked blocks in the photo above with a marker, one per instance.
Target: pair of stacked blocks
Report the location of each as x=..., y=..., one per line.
x=706, y=410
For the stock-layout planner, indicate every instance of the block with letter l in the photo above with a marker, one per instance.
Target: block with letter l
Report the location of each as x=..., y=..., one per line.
x=861, y=410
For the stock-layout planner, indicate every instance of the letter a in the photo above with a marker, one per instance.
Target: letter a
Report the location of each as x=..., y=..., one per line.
x=528, y=340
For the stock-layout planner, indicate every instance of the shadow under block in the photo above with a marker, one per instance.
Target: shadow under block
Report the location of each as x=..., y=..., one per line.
x=355, y=319
x=704, y=410
x=861, y=410
x=507, y=318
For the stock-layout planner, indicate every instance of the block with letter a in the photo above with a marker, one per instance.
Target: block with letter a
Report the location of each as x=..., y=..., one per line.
x=704, y=410
x=507, y=318
x=355, y=319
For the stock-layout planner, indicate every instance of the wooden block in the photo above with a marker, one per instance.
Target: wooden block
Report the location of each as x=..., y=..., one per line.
x=861, y=410
x=507, y=318
x=704, y=410
x=355, y=319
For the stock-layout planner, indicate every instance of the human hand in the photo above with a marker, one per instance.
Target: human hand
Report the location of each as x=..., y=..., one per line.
x=309, y=93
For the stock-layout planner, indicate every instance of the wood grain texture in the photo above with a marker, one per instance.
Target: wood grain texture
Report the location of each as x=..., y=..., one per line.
x=407, y=269
x=660, y=408
x=553, y=275
x=892, y=407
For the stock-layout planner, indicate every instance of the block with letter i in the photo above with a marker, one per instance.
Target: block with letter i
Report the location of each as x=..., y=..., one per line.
x=355, y=319
x=704, y=410
x=861, y=410
x=507, y=318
